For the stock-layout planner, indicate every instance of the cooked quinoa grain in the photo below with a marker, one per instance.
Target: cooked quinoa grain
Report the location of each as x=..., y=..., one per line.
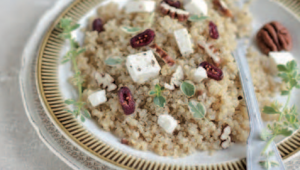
x=223, y=99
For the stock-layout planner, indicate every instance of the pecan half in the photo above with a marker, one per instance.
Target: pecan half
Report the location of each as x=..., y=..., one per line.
x=175, y=4
x=162, y=54
x=212, y=71
x=222, y=8
x=126, y=100
x=142, y=39
x=274, y=37
x=105, y=80
x=211, y=51
x=225, y=137
x=180, y=14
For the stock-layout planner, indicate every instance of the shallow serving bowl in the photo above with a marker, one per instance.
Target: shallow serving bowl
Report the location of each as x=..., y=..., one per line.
x=87, y=141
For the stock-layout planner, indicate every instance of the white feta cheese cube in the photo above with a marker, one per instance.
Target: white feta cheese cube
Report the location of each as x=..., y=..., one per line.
x=281, y=57
x=167, y=122
x=142, y=66
x=184, y=42
x=196, y=7
x=177, y=76
x=169, y=86
x=97, y=98
x=140, y=6
x=200, y=74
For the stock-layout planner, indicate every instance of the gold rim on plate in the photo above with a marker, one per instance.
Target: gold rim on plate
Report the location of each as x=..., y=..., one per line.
x=47, y=79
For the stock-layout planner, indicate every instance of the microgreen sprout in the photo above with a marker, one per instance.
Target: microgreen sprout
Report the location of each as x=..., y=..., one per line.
x=67, y=27
x=159, y=100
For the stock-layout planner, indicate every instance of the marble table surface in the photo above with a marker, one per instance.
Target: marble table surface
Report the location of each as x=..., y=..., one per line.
x=20, y=147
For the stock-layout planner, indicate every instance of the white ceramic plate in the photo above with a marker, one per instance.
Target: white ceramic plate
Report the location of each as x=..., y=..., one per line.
x=263, y=11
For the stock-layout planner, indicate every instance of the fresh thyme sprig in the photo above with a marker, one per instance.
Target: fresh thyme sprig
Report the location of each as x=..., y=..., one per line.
x=67, y=27
x=287, y=122
x=159, y=100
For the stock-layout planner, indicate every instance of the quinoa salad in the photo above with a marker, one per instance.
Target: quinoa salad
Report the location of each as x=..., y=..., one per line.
x=161, y=77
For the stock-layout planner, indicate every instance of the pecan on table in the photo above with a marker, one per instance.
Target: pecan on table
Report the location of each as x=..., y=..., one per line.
x=274, y=37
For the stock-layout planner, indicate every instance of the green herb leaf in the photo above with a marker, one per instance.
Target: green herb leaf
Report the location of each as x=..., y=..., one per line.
x=65, y=60
x=269, y=126
x=196, y=18
x=130, y=30
x=188, y=89
x=159, y=101
x=285, y=93
x=298, y=86
x=284, y=77
x=82, y=118
x=295, y=126
x=285, y=132
x=80, y=50
x=270, y=110
x=75, y=113
x=265, y=134
x=152, y=93
x=291, y=65
x=268, y=164
x=113, y=61
x=70, y=101
x=271, y=153
x=290, y=118
x=282, y=68
x=65, y=22
x=86, y=114
x=197, y=109
x=74, y=27
x=293, y=83
x=65, y=36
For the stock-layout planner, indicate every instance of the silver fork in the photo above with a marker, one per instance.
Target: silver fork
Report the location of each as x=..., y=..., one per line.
x=254, y=144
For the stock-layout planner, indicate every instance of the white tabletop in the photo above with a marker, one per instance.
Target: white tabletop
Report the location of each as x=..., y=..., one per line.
x=20, y=147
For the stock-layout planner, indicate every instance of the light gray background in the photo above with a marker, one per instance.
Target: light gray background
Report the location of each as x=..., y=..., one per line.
x=20, y=147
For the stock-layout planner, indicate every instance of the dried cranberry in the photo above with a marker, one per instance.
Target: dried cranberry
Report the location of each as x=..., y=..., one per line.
x=172, y=3
x=126, y=100
x=213, y=30
x=213, y=72
x=98, y=25
x=142, y=39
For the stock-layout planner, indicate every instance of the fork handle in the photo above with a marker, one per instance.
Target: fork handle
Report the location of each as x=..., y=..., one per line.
x=254, y=144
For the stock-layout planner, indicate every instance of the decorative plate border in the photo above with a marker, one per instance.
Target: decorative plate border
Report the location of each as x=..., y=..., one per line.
x=51, y=97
